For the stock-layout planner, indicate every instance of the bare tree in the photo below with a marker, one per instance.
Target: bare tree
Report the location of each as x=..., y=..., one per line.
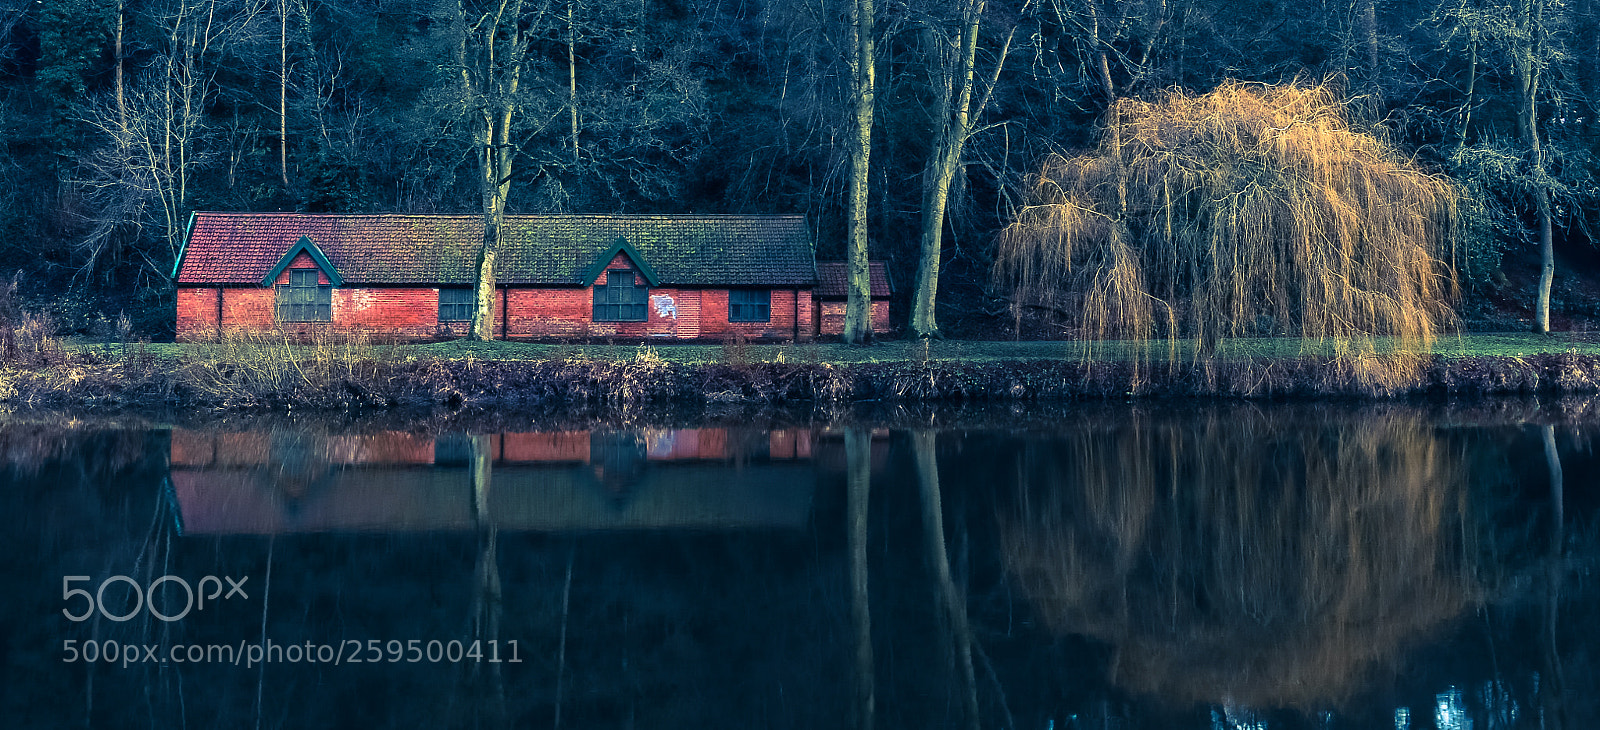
x=858, y=293
x=952, y=69
x=492, y=44
x=1530, y=53
x=572, y=76
x=283, y=92
x=1521, y=32
x=140, y=177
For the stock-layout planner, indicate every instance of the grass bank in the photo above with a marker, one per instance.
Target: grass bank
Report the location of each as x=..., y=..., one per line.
x=1510, y=344
x=269, y=372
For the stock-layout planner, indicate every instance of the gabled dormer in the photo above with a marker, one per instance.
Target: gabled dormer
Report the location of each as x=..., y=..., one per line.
x=308, y=247
x=622, y=246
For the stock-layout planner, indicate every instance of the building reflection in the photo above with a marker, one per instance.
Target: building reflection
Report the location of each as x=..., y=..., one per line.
x=275, y=482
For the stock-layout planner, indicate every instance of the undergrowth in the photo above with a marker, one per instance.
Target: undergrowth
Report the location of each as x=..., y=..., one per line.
x=248, y=367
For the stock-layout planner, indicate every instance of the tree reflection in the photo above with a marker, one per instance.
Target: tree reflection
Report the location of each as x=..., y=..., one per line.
x=1555, y=681
x=953, y=605
x=1248, y=560
x=858, y=481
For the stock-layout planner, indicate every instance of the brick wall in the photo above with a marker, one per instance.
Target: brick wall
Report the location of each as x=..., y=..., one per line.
x=714, y=316
x=197, y=313
x=407, y=312
x=672, y=313
x=831, y=316
x=411, y=312
x=542, y=312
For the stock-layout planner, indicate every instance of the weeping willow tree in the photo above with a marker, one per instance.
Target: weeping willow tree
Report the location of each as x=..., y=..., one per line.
x=1249, y=210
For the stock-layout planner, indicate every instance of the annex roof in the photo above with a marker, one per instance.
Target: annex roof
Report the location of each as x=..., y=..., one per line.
x=752, y=250
x=831, y=279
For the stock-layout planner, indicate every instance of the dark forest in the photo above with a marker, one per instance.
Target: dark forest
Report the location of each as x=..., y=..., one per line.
x=120, y=117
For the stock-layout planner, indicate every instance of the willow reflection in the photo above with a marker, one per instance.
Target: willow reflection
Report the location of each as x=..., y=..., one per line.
x=1243, y=558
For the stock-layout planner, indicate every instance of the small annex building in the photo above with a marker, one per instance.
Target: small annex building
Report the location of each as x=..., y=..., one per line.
x=680, y=277
x=833, y=288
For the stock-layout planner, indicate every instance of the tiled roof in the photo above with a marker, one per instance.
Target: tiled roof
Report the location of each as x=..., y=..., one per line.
x=240, y=248
x=831, y=278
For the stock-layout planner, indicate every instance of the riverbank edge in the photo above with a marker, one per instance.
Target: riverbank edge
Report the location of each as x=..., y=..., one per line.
x=620, y=385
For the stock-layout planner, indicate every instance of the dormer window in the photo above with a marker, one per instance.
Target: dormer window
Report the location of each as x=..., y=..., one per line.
x=621, y=299
x=304, y=298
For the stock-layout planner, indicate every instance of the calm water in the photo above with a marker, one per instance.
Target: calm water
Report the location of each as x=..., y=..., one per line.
x=1196, y=566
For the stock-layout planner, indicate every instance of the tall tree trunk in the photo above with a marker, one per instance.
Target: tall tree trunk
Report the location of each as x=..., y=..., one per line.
x=1547, y=262
x=858, y=292
x=572, y=77
x=858, y=484
x=1109, y=88
x=122, y=98
x=953, y=126
x=1369, y=28
x=952, y=605
x=491, y=77
x=1472, y=87
x=283, y=92
x=1529, y=62
x=313, y=73
x=496, y=185
x=951, y=122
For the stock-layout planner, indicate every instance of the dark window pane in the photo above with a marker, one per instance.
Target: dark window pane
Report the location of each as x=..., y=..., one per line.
x=303, y=299
x=455, y=305
x=621, y=299
x=749, y=305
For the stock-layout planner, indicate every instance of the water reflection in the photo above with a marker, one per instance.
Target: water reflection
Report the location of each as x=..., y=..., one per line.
x=292, y=481
x=1244, y=560
x=1270, y=568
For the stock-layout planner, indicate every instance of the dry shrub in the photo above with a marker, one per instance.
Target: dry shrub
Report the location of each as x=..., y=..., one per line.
x=249, y=366
x=735, y=351
x=830, y=383
x=1251, y=558
x=35, y=341
x=633, y=382
x=1249, y=210
x=10, y=317
x=26, y=338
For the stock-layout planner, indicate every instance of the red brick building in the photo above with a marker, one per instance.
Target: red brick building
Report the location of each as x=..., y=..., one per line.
x=676, y=277
x=829, y=296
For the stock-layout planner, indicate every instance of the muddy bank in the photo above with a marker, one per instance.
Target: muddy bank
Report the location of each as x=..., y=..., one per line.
x=620, y=385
